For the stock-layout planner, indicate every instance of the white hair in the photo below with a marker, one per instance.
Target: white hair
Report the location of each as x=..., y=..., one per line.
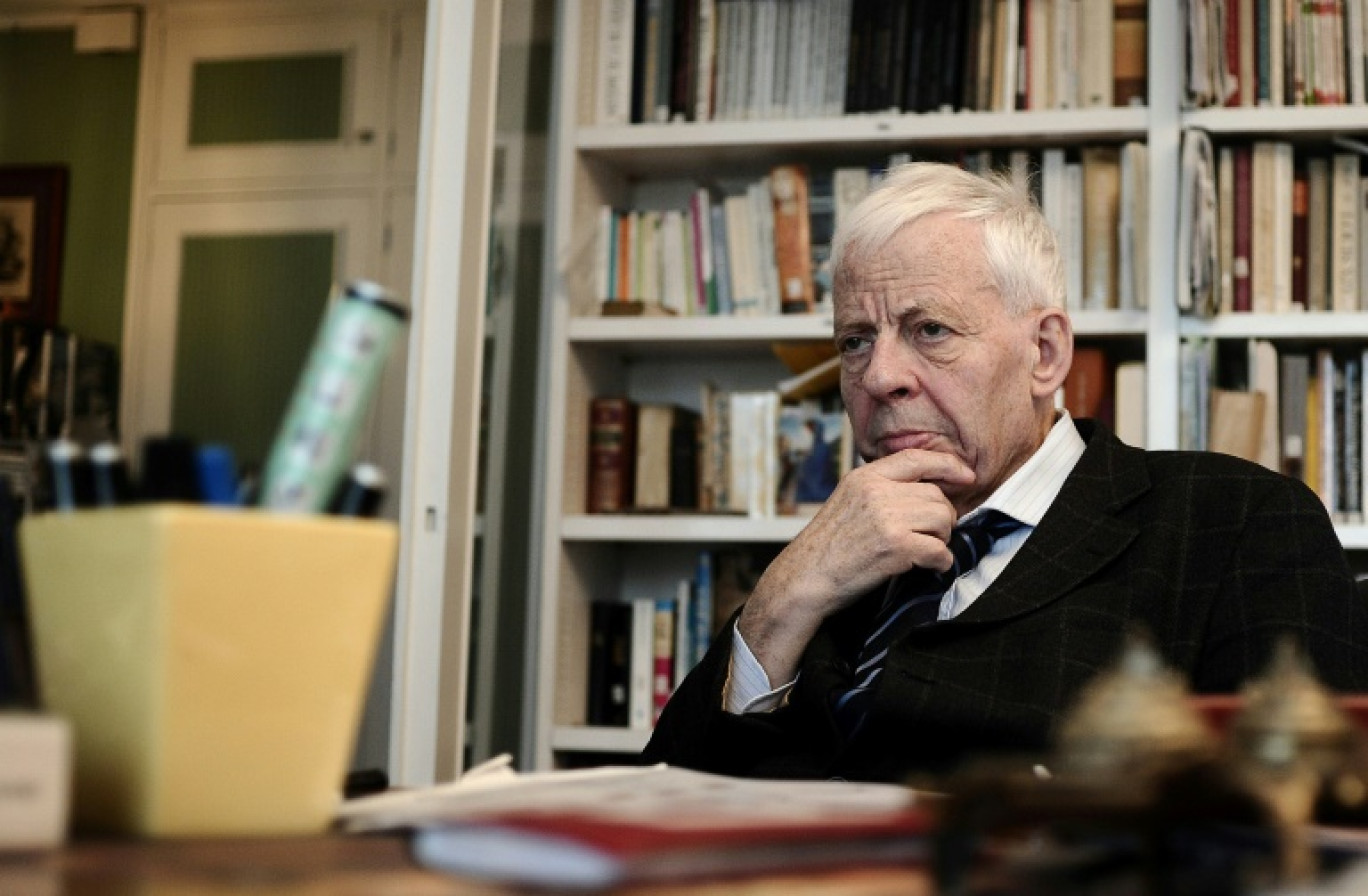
x=1019, y=245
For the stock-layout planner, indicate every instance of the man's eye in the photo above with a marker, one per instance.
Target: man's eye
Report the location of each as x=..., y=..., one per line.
x=848, y=344
x=932, y=330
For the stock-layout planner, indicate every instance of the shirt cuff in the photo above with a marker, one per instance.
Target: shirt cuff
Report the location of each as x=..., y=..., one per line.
x=748, y=687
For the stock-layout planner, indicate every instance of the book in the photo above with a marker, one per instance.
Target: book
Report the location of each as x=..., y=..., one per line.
x=1088, y=385
x=1225, y=225
x=1130, y=48
x=1344, y=232
x=613, y=91
x=1236, y=423
x=701, y=607
x=1096, y=31
x=641, y=664
x=1318, y=206
x=616, y=825
x=683, y=631
x=792, y=238
x=1301, y=235
x=666, y=457
x=1294, y=371
x=752, y=461
x=1101, y=211
x=609, y=676
x=1263, y=378
x=588, y=852
x=1242, y=224
x=612, y=453
x=1130, y=403
x=662, y=656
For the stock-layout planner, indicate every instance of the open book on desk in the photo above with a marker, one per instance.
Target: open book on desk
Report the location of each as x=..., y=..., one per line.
x=615, y=825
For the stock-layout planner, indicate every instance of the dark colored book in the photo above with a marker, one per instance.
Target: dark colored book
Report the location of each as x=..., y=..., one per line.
x=684, y=56
x=886, y=51
x=1301, y=231
x=639, y=60
x=1243, y=226
x=684, y=458
x=968, y=38
x=915, y=78
x=952, y=43
x=859, y=55
x=610, y=632
x=612, y=450
x=1351, y=458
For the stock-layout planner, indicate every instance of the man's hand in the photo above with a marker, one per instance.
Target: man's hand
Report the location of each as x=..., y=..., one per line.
x=884, y=518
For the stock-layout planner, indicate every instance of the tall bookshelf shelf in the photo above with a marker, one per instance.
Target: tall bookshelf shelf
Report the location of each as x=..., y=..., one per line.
x=588, y=556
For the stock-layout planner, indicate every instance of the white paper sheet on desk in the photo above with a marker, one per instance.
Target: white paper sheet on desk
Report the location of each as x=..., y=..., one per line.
x=657, y=794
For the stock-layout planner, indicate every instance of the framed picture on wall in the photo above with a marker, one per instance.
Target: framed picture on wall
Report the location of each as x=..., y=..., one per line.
x=32, y=226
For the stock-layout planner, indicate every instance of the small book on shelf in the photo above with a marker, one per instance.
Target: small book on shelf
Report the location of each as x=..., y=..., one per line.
x=612, y=452
x=666, y=468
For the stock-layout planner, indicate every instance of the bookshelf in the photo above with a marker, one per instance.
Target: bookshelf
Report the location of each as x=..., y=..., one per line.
x=587, y=556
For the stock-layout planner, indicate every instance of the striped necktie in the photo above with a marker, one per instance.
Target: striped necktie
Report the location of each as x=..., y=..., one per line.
x=913, y=599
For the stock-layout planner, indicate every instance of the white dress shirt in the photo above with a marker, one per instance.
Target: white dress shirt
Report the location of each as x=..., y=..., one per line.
x=1025, y=496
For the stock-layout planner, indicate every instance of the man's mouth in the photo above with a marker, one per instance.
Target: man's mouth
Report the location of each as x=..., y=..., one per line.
x=890, y=443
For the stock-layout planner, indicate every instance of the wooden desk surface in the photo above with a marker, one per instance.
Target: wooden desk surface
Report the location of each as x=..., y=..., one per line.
x=340, y=866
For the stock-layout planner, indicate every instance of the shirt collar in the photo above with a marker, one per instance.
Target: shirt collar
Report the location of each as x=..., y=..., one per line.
x=1030, y=491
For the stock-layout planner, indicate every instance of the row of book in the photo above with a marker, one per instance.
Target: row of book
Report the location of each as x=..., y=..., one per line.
x=641, y=648
x=767, y=250
x=728, y=60
x=1297, y=409
x=54, y=383
x=1276, y=53
x=1283, y=227
x=746, y=452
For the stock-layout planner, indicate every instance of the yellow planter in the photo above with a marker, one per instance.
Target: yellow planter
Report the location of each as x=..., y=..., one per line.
x=213, y=663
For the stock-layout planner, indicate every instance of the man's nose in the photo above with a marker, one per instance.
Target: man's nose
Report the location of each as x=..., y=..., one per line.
x=892, y=371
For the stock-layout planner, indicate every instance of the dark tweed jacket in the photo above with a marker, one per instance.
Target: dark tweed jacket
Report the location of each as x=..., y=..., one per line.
x=1213, y=556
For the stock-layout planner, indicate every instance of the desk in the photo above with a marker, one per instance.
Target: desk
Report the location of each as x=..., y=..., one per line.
x=371, y=865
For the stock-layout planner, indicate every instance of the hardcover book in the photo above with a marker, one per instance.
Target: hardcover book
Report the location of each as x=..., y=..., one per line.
x=612, y=452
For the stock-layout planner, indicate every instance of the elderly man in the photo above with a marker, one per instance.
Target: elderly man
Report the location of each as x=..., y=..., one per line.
x=956, y=591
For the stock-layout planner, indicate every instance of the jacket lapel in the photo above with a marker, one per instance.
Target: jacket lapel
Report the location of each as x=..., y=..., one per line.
x=1080, y=534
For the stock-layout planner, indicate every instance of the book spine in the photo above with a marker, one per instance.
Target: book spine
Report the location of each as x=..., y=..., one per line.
x=683, y=632
x=614, y=88
x=1242, y=288
x=609, y=674
x=1344, y=232
x=1293, y=376
x=701, y=611
x=612, y=448
x=789, y=191
x=641, y=658
x=662, y=656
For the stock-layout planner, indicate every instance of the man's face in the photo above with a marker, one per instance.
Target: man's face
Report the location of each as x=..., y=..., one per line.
x=932, y=360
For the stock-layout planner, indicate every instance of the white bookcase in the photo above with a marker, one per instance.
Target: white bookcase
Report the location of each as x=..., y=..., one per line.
x=585, y=556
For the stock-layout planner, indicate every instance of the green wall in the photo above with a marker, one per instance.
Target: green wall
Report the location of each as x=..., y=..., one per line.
x=57, y=107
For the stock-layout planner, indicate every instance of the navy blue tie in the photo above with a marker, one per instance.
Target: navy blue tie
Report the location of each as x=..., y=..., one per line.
x=913, y=599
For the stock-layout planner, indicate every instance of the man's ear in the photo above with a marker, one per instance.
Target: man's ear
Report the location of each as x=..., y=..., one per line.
x=1054, y=352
